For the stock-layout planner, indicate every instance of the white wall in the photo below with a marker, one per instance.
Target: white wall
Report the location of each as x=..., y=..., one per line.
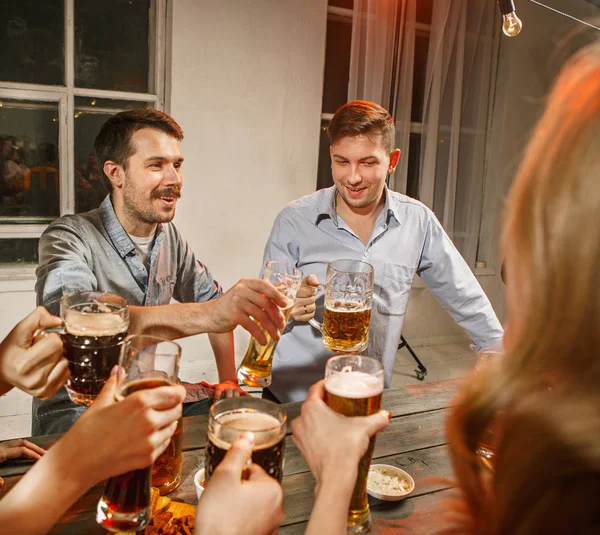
x=247, y=81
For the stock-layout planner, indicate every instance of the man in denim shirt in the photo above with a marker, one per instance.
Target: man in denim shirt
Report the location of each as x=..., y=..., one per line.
x=130, y=247
x=360, y=219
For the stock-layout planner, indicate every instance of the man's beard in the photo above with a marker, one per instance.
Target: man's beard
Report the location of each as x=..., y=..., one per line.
x=144, y=211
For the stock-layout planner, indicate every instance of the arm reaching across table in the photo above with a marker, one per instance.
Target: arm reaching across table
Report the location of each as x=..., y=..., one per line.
x=109, y=439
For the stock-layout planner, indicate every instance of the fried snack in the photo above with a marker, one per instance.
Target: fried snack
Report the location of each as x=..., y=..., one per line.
x=168, y=517
x=164, y=521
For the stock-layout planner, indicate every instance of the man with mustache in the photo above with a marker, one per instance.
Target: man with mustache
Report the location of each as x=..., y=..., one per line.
x=129, y=246
x=359, y=218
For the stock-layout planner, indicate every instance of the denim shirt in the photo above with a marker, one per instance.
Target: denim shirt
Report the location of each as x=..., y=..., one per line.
x=92, y=251
x=407, y=239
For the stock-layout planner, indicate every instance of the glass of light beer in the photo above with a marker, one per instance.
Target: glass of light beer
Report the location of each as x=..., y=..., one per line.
x=354, y=387
x=94, y=327
x=145, y=362
x=348, y=302
x=229, y=418
x=255, y=369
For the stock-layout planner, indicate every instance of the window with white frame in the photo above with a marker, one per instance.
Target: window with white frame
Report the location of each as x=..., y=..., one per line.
x=67, y=65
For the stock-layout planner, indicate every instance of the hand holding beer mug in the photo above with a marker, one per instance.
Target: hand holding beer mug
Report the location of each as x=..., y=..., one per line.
x=94, y=327
x=230, y=418
x=255, y=369
x=348, y=301
x=354, y=387
x=146, y=362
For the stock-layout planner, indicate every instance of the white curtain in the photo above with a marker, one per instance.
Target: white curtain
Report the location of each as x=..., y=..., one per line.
x=372, y=51
x=454, y=124
x=455, y=117
x=401, y=107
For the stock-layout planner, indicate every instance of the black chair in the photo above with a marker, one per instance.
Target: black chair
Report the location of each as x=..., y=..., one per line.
x=421, y=370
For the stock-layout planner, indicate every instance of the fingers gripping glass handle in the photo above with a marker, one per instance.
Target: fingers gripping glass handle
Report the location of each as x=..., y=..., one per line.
x=45, y=331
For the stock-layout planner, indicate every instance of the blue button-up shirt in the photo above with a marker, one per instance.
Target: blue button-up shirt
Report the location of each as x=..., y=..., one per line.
x=92, y=251
x=407, y=240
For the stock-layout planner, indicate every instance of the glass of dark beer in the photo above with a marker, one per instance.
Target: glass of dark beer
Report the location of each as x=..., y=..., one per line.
x=145, y=362
x=229, y=418
x=354, y=387
x=348, y=303
x=255, y=369
x=94, y=327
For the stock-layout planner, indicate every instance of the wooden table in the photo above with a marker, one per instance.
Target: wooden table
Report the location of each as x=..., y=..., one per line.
x=414, y=440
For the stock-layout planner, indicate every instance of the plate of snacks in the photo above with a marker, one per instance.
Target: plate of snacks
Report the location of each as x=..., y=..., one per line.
x=389, y=483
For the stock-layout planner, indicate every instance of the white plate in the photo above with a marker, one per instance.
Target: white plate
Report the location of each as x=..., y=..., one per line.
x=400, y=474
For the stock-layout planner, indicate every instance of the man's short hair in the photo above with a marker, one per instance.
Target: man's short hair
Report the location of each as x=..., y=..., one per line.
x=361, y=117
x=113, y=142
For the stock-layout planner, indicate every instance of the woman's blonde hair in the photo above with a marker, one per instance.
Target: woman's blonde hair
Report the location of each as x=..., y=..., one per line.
x=545, y=387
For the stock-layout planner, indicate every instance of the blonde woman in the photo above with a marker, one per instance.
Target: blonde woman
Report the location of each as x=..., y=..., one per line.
x=541, y=399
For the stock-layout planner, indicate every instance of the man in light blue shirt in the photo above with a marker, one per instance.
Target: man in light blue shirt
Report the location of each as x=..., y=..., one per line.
x=360, y=218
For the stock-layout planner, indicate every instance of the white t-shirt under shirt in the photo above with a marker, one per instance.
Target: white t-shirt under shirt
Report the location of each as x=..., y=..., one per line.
x=143, y=246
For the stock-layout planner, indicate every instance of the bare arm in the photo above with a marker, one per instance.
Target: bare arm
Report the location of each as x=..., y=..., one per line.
x=246, y=303
x=50, y=486
x=119, y=436
x=223, y=347
x=332, y=500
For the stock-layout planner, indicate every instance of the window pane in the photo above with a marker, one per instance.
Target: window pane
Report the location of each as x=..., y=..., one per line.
x=19, y=250
x=32, y=41
x=420, y=73
x=424, y=11
x=324, y=179
x=91, y=186
x=348, y=4
x=112, y=45
x=337, y=63
x=29, y=177
x=414, y=166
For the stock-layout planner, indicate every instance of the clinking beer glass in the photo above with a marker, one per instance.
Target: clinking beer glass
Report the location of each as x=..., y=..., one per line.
x=255, y=369
x=229, y=418
x=348, y=302
x=145, y=362
x=354, y=387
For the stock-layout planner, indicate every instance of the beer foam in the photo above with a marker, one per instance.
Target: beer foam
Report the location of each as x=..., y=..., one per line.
x=353, y=384
x=346, y=307
x=98, y=324
x=230, y=425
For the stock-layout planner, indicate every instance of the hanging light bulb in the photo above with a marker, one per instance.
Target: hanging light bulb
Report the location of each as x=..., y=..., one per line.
x=511, y=24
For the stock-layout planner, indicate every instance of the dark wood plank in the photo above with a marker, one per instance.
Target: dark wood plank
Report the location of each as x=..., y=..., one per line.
x=411, y=399
x=428, y=468
x=404, y=434
x=420, y=515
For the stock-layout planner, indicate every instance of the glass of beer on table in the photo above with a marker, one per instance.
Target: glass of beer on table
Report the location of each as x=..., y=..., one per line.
x=348, y=302
x=255, y=369
x=94, y=327
x=229, y=418
x=145, y=362
x=354, y=387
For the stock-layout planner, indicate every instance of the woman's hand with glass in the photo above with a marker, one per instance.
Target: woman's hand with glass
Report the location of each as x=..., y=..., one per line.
x=36, y=367
x=232, y=505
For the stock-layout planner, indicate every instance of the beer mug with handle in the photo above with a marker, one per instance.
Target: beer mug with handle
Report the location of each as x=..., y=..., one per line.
x=348, y=301
x=94, y=327
x=255, y=369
